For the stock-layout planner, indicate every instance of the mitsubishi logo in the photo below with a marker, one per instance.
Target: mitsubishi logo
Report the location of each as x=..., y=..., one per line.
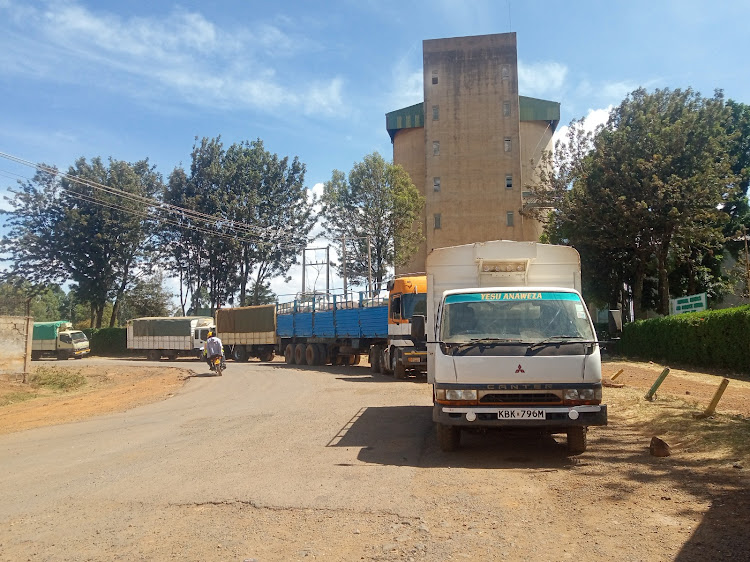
x=520, y=369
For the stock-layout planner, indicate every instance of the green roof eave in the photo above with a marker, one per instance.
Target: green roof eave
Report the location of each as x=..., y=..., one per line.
x=533, y=109
x=407, y=118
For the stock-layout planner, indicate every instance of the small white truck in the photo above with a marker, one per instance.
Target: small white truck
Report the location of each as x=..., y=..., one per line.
x=170, y=337
x=58, y=339
x=510, y=342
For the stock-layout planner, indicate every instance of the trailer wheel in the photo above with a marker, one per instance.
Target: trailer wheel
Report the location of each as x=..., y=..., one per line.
x=266, y=356
x=239, y=353
x=399, y=371
x=375, y=359
x=289, y=354
x=154, y=355
x=354, y=359
x=383, y=363
x=312, y=355
x=577, y=440
x=448, y=436
x=299, y=354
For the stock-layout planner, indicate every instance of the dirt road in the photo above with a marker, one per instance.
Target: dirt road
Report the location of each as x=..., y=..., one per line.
x=272, y=462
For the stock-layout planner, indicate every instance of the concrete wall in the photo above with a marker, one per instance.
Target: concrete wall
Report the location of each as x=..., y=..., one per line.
x=408, y=151
x=15, y=344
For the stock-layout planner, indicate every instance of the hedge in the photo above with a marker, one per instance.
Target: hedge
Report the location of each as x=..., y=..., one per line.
x=107, y=341
x=713, y=338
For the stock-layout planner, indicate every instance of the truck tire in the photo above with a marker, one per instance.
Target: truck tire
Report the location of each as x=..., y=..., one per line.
x=289, y=354
x=239, y=353
x=354, y=359
x=399, y=371
x=154, y=355
x=299, y=354
x=36, y=355
x=375, y=359
x=383, y=363
x=62, y=355
x=312, y=355
x=266, y=356
x=448, y=436
x=577, y=439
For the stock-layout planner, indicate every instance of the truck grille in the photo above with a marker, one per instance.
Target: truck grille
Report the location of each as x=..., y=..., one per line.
x=526, y=398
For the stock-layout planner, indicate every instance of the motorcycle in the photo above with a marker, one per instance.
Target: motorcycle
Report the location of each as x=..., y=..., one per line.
x=217, y=365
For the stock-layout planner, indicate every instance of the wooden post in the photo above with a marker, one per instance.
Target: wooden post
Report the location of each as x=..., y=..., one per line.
x=715, y=400
x=650, y=394
x=617, y=374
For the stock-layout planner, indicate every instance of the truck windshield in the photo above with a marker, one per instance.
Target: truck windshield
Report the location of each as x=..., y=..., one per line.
x=78, y=337
x=412, y=304
x=512, y=316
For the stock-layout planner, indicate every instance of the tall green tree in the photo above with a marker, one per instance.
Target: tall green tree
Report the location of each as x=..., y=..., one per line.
x=649, y=196
x=379, y=204
x=89, y=227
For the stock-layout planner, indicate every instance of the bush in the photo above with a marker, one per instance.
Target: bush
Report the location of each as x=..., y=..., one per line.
x=107, y=341
x=713, y=338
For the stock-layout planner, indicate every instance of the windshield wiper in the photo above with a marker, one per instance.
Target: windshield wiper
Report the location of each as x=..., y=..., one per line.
x=488, y=342
x=559, y=340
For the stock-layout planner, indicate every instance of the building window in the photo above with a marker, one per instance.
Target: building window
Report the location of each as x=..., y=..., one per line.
x=508, y=145
x=505, y=72
x=509, y=181
x=437, y=220
x=509, y=218
x=435, y=148
x=435, y=112
x=506, y=109
x=434, y=77
x=436, y=184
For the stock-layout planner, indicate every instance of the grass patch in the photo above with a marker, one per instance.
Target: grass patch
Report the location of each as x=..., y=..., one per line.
x=722, y=437
x=16, y=397
x=54, y=379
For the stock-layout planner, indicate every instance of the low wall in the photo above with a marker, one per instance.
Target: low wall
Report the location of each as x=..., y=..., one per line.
x=15, y=344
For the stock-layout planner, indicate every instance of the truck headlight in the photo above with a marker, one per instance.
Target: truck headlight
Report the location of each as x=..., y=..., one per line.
x=586, y=394
x=460, y=394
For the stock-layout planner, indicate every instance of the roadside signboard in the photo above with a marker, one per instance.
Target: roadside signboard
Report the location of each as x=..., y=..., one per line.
x=690, y=303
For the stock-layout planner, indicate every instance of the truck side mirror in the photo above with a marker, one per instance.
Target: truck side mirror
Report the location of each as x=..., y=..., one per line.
x=418, y=327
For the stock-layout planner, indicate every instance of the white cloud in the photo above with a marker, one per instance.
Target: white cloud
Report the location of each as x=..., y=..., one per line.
x=593, y=119
x=181, y=56
x=407, y=81
x=541, y=79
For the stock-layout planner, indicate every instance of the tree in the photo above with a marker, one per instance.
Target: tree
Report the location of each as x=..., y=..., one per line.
x=379, y=203
x=89, y=226
x=147, y=297
x=650, y=195
x=257, y=216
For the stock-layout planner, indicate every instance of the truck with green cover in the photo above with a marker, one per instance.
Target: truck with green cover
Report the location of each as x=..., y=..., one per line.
x=58, y=339
x=248, y=331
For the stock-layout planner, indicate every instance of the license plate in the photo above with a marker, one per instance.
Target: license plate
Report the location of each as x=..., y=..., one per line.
x=522, y=414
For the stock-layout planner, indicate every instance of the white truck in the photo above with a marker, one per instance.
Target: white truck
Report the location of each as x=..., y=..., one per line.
x=58, y=339
x=171, y=337
x=510, y=343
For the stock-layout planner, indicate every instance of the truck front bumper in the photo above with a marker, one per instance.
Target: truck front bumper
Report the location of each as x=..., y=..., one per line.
x=81, y=352
x=555, y=416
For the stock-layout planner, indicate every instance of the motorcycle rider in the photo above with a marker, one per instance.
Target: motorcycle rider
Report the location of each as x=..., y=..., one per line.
x=213, y=348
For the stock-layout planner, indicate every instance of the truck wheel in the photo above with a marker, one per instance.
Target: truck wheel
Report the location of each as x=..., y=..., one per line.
x=383, y=363
x=154, y=355
x=172, y=357
x=239, y=354
x=399, y=371
x=299, y=354
x=577, y=440
x=266, y=356
x=312, y=355
x=289, y=354
x=62, y=355
x=355, y=359
x=36, y=355
x=449, y=437
x=375, y=359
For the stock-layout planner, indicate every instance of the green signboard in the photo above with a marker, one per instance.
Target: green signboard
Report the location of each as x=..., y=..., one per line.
x=690, y=303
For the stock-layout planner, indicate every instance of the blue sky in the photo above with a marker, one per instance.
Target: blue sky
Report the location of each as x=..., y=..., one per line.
x=141, y=79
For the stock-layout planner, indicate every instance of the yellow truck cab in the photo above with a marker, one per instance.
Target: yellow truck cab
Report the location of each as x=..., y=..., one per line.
x=407, y=296
x=58, y=339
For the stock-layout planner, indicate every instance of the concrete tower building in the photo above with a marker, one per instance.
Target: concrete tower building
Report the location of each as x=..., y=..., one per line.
x=473, y=144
